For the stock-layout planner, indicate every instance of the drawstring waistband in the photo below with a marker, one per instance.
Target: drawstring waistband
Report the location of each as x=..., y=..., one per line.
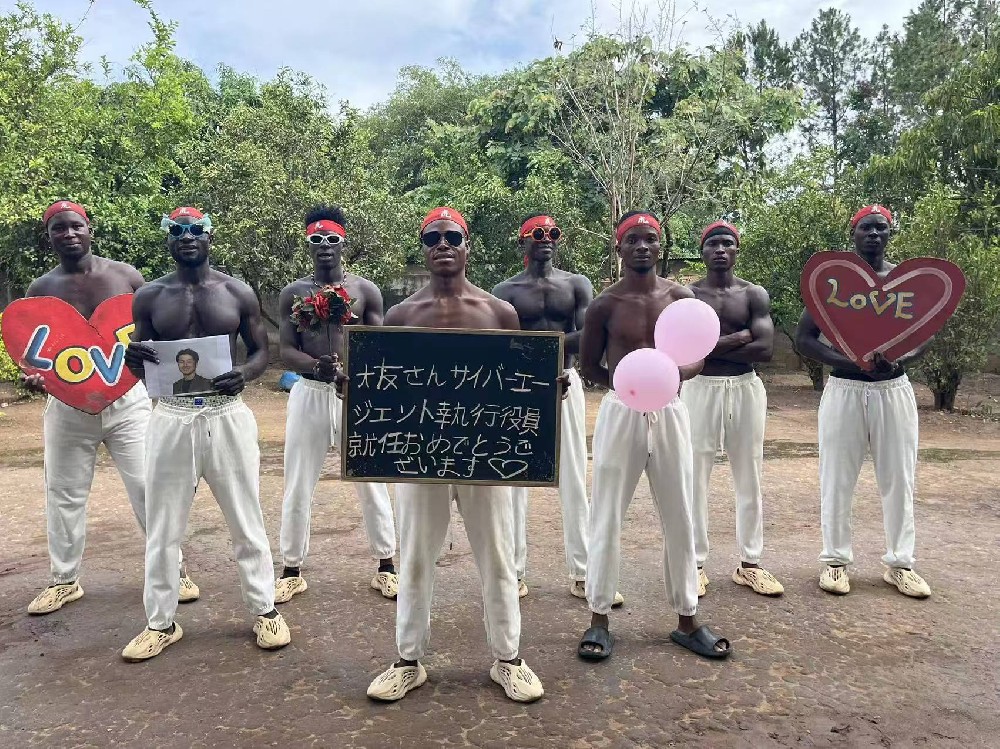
x=651, y=418
x=189, y=410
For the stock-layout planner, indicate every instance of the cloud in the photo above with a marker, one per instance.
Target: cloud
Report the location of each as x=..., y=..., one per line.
x=357, y=49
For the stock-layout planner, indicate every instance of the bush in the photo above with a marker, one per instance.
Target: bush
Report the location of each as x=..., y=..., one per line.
x=9, y=371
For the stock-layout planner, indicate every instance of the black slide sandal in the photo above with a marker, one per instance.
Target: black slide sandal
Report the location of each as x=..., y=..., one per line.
x=596, y=636
x=702, y=641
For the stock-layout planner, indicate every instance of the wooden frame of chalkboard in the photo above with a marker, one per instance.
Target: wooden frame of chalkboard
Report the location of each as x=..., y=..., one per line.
x=553, y=352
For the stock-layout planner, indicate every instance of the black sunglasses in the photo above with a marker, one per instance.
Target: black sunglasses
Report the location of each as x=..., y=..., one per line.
x=433, y=238
x=177, y=230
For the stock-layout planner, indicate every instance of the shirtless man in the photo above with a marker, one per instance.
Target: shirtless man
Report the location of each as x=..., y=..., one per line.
x=627, y=442
x=863, y=411
x=727, y=405
x=547, y=298
x=212, y=437
x=451, y=301
x=312, y=425
x=71, y=437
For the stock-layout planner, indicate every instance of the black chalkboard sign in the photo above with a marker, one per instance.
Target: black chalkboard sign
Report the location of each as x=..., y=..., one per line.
x=452, y=406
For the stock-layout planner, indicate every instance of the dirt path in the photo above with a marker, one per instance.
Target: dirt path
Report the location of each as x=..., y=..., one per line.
x=870, y=669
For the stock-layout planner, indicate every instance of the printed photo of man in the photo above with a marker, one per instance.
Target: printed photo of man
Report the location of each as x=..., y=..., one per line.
x=191, y=383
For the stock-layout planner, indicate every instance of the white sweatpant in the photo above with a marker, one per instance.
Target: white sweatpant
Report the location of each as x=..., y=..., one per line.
x=855, y=418
x=729, y=412
x=626, y=443
x=572, y=488
x=424, y=512
x=71, y=438
x=217, y=443
x=312, y=426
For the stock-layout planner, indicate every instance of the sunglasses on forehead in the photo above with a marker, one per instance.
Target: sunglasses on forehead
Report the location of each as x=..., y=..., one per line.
x=539, y=233
x=433, y=238
x=333, y=239
x=177, y=230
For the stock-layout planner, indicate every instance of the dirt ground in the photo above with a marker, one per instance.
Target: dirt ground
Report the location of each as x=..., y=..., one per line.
x=870, y=669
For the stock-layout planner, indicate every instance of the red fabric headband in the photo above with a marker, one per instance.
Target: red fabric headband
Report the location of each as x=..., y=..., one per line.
x=328, y=225
x=64, y=205
x=720, y=227
x=868, y=210
x=639, y=219
x=447, y=214
x=186, y=211
x=536, y=222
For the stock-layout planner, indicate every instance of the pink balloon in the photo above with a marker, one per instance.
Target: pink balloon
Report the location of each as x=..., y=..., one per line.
x=646, y=380
x=687, y=330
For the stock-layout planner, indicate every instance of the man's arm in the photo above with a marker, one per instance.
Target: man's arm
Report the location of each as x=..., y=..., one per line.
x=594, y=343
x=808, y=344
x=254, y=336
x=761, y=329
x=138, y=353
x=288, y=338
x=508, y=316
x=583, y=294
x=374, y=305
x=134, y=277
x=395, y=316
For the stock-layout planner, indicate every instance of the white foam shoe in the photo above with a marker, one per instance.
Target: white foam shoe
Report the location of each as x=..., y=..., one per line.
x=519, y=682
x=396, y=681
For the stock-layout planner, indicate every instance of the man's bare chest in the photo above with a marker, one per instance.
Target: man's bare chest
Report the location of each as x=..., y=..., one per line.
x=87, y=292
x=545, y=301
x=195, y=312
x=731, y=305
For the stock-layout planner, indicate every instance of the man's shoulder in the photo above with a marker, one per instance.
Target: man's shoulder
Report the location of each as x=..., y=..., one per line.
x=46, y=284
x=674, y=289
x=298, y=285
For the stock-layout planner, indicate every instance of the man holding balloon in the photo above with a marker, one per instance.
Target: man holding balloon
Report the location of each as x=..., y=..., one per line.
x=727, y=404
x=643, y=426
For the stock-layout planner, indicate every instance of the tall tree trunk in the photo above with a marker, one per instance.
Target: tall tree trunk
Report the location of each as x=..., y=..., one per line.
x=815, y=371
x=945, y=388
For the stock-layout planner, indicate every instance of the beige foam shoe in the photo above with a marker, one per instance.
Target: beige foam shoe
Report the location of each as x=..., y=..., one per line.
x=759, y=579
x=578, y=588
x=519, y=682
x=271, y=633
x=908, y=582
x=702, y=582
x=386, y=583
x=522, y=589
x=150, y=643
x=286, y=587
x=834, y=580
x=188, y=591
x=394, y=683
x=54, y=598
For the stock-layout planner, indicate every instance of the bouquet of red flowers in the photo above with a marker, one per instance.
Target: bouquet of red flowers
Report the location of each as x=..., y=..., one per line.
x=329, y=304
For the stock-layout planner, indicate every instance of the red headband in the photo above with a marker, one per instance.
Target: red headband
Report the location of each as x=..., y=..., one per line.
x=536, y=222
x=639, y=219
x=720, y=227
x=186, y=211
x=64, y=205
x=868, y=210
x=447, y=214
x=328, y=225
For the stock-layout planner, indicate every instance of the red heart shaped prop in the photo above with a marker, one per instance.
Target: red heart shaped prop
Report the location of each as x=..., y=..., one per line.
x=861, y=313
x=83, y=361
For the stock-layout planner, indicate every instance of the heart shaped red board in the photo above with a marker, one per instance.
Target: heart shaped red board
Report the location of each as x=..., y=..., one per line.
x=861, y=313
x=82, y=361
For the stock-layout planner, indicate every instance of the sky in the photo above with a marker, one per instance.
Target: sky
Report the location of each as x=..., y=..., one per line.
x=356, y=47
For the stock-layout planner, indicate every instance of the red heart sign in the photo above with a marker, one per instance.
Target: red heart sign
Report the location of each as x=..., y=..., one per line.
x=83, y=361
x=861, y=313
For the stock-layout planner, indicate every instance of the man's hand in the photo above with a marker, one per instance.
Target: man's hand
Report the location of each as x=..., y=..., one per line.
x=340, y=378
x=326, y=368
x=881, y=365
x=230, y=383
x=137, y=354
x=745, y=336
x=33, y=383
x=564, y=385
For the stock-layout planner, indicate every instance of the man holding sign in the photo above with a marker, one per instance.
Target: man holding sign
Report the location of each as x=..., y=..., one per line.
x=72, y=436
x=211, y=437
x=451, y=301
x=864, y=410
x=626, y=443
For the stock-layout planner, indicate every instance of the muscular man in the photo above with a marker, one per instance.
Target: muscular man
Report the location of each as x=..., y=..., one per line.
x=212, y=437
x=627, y=442
x=727, y=405
x=861, y=411
x=451, y=301
x=313, y=421
x=547, y=298
x=71, y=437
